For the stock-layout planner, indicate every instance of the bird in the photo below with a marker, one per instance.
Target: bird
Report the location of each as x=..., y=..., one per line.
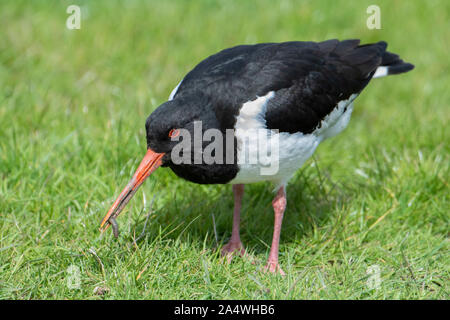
x=290, y=96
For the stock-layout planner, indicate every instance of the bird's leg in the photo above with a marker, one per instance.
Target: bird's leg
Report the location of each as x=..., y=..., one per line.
x=235, y=243
x=279, y=205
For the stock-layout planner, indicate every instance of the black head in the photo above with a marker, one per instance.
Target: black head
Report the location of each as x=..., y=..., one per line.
x=189, y=118
x=164, y=121
x=178, y=117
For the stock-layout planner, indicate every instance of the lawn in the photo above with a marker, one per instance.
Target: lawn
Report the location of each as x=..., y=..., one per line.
x=367, y=216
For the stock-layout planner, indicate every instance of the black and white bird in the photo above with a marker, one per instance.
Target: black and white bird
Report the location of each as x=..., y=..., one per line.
x=295, y=93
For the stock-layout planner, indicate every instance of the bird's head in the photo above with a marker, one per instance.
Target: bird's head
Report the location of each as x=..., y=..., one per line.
x=164, y=127
x=169, y=121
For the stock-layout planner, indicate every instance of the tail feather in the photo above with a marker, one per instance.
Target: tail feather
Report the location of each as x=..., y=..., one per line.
x=392, y=64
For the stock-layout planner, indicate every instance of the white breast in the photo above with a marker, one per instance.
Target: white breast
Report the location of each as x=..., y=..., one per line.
x=288, y=151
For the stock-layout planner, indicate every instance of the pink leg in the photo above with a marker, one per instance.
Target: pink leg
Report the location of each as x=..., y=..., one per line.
x=235, y=243
x=279, y=205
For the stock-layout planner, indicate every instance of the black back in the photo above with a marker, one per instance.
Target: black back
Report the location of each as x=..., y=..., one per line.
x=308, y=79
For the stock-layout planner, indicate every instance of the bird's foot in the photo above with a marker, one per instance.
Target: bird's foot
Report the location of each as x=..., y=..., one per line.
x=274, y=267
x=232, y=248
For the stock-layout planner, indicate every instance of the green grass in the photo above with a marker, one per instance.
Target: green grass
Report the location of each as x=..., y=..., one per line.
x=72, y=110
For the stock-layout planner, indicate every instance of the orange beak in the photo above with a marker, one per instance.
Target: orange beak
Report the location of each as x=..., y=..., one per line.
x=150, y=163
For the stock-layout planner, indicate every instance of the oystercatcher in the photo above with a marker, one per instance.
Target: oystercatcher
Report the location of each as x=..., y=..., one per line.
x=296, y=94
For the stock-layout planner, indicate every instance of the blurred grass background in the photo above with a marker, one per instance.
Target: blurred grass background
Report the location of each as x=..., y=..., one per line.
x=73, y=104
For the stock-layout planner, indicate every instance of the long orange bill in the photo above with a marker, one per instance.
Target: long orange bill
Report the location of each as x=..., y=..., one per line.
x=150, y=163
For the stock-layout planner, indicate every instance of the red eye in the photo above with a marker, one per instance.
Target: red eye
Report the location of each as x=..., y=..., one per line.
x=174, y=133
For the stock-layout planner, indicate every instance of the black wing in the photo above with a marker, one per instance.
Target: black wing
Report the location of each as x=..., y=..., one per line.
x=308, y=78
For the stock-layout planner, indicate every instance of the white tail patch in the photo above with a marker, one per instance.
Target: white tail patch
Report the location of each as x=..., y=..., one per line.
x=381, y=72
